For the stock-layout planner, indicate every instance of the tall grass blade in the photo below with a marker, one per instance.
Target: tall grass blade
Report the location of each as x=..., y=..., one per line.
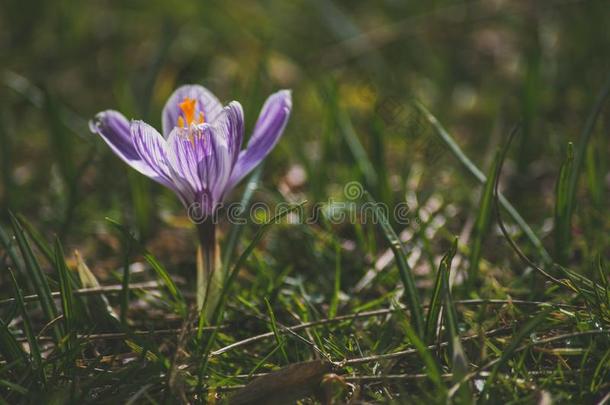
x=355, y=146
x=67, y=298
x=563, y=223
x=596, y=170
x=334, y=303
x=154, y=263
x=98, y=306
x=140, y=189
x=36, y=276
x=581, y=148
x=60, y=140
x=276, y=333
x=38, y=239
x=9, y=347
x=406, y=274
x=125, y=282
x=237, y=228
x=431, y=366
x=6, y=160
x=35, y=356
x=508, y=352
x=459, y=361
x=482, y=222
x=480, y=177
x=436, y=301
x=9, y=248
x=449, y=307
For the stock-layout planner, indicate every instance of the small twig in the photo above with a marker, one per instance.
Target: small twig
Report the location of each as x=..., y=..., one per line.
x=407, y=352
x=296, y=335
x=391, y=377
x=507, y=236
x=49, y=324
x=423, y=376
x=109, y=289
x=123, y=335
x=378, y=312
x=526, y=346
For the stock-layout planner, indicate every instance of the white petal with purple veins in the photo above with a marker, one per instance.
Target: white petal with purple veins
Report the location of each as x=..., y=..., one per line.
x=152, y=149
x=114, y=129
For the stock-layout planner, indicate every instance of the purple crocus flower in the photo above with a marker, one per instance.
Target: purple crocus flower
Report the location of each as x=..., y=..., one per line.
x=199, y=155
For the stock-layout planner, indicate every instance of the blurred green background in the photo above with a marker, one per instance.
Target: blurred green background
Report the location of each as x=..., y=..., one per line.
x=354, y=67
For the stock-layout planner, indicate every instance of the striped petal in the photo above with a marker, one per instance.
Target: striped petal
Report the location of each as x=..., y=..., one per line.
x=152, y=149
x=233, y=121
x=200, y=163
x=206, y=103
x=269, y=127
x=114, y=129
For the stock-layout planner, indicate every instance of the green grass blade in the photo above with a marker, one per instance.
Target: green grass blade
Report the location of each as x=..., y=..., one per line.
x=154, y=263
x=276, y=332
x=437, y=294
x=165, y=277
x=125, y=282
x=595, y=172
x=334, y=302
x=459, y=361
x=431, y=366
x=480, y=177
x=449, y=307
x=27, y=324
x=14, y=387
x=141, y=193
x=406, y=274
x=36, y=276
x=67, y=298
x=98, y=306
x=60, y=140
x=6, y=160
x=6, y=242
x=562, y=202
x=604, y=276
x=581, y=149
x=355, y=146
x=508, y=352
x=482, y=222
x=434, y=309
x=237, y=228
x=9, y=347
x=38, y=239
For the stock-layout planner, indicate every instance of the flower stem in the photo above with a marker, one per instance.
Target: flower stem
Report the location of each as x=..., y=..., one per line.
x=209, y=277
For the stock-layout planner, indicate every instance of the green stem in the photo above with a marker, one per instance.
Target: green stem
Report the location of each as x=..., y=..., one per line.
x=207, y=265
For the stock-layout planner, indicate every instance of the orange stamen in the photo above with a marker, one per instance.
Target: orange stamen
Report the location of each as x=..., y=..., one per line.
x=188, y=106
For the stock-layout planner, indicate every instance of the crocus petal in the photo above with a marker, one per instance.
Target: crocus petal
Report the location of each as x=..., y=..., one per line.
x=200, y=163
x=206, y=102
x=234, y=128
x=113, y=127
x=269, y=127
x=152, y=148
